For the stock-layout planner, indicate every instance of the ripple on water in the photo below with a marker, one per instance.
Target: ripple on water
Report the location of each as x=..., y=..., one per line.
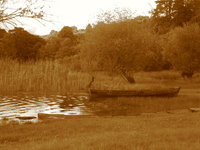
x=15, y=106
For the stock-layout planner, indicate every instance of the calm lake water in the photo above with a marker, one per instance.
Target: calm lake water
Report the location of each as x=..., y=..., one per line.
x=12, y=107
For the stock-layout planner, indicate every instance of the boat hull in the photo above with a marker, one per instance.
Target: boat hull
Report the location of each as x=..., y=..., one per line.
x=169, y=92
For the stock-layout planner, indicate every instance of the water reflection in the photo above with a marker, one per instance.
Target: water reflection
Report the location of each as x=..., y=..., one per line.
x=16, y=106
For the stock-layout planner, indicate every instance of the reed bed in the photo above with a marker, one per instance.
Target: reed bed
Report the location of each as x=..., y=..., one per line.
x=39, y=76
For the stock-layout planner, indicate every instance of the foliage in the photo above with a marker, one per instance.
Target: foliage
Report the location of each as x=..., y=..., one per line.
x=64, y=44
x=88, y=28
x=172, y=13
x=20, y=44
x=50, y=49
x=130, y=44
x=68, y=42
x=182, y=47
x=66, y=32
x=2, y=33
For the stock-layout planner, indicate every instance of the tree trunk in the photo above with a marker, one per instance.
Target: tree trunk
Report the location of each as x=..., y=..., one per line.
x=126, y=76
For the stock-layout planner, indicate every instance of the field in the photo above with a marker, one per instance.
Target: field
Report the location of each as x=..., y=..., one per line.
x=131, y=123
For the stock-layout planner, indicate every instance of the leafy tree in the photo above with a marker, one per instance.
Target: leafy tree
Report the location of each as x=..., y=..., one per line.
x=2, y=33
x=172, y=13
x=22, y=45
x=88, y=28
x=66, y=32
x=49, y=50
x=63, y=44
x=68, y=43
x=196, y=17
x=129, y=44
x=67, y=48
x=182, y=47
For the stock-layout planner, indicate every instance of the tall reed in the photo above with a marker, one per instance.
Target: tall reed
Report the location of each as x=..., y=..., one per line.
x=39, y=76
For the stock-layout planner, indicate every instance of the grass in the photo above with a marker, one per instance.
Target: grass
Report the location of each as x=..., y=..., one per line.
x=137, y=105
x=149, y=131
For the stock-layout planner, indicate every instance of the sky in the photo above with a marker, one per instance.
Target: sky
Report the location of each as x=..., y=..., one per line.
x=80, y=13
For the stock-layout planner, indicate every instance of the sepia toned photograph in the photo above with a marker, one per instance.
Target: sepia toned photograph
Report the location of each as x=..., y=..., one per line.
x=99, y=74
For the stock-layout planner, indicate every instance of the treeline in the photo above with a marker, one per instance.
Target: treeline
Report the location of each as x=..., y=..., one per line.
x=23, y=46
x=169, y=39
x=19, y=44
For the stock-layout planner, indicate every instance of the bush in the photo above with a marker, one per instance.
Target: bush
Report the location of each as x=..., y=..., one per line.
x=129, y=43
x=182, y=47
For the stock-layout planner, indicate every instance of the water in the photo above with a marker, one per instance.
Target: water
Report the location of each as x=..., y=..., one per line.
x=13, y=107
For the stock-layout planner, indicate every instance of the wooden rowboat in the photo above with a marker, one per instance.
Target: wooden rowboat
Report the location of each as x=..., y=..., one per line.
x=162, y=92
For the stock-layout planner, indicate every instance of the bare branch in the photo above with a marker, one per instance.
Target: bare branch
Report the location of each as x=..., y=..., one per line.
x=30, y=9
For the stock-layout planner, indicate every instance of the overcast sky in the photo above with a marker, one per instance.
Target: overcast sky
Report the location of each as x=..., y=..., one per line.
x=79, y=13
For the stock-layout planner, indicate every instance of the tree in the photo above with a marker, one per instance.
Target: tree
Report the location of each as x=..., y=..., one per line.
x=68, y=43
x=182, y=48
x=172, y=13
x=21, y=45
x=88, y=28
x=116, y=15
x=67, y=48
x=49, y=50
x=196, y=17
x=66, y=32
x=9, y=16
x=2, y=33
x=63, y=44
x=128, y=45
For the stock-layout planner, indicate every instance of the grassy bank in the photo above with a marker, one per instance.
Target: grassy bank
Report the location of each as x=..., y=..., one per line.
x=138, y=105
x=145, y=132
